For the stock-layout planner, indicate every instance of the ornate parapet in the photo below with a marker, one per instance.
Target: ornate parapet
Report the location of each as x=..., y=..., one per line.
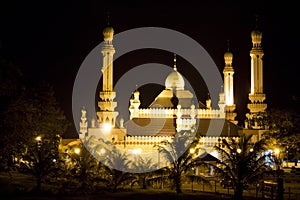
x=145, y=140
x=156, y=113
x=210, y=142
x=184, y=113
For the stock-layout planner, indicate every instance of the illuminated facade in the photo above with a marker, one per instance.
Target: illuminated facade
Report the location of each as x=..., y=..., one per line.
x=173, y=110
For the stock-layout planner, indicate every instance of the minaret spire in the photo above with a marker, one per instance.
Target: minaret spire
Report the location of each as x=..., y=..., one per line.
x=107, y=18
x=107, y=105
x=228, y=86
x=257, y=106
x=228, y=45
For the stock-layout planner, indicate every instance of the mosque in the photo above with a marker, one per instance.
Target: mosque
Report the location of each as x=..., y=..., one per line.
x=173, y=111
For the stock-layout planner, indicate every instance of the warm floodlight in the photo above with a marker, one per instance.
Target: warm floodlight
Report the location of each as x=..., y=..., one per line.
x=276, y=151
x=77, y=150
x=192, y=150
x=38, y=138
x=102, y=151
x=107, y=127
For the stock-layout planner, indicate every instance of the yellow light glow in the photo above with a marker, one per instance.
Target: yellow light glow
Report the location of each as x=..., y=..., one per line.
x=102, y=151
x=239, y=150
x=251, y=150
x=276, y=151
x=107, y=127
x=38, y=138
x=192, y=150
x=77, y=150
x=137, y=151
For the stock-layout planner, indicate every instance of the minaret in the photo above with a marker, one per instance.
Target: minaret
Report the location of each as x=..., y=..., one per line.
x=135, y=104
x=83, y=124
x=257, y=106
x=222, y=102
x=107, y=114
x=228, y=87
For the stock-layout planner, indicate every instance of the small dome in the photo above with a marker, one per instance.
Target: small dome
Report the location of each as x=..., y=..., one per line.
x=228, y=58
x=227, y=54
x=256, y=36
x=256, y=33
x=108, y=33
x=174, y=81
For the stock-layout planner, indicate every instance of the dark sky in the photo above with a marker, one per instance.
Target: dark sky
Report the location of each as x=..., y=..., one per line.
x=49, y=40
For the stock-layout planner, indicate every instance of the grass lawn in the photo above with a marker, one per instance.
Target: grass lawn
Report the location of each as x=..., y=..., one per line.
x=26, y=183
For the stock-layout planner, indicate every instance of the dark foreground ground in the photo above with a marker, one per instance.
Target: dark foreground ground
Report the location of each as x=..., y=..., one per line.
x=132, y=195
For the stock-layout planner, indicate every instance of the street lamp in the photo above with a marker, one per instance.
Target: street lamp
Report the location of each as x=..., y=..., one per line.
x=276, y=151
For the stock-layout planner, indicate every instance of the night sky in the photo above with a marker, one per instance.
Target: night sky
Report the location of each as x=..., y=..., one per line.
x=49, y=40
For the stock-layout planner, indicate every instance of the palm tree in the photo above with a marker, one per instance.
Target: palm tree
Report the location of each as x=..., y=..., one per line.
x=43, y=160
x=144, y=169
x=117, y=170
x=242, y=162
x=181, y=160
x=85, y=167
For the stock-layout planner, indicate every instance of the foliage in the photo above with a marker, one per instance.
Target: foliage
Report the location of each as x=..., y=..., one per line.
x=181, y=160
x=41, y=160
x=117, y=170
x=83, y=168
x=243, y=162
x=35, y=112
x=144, y=169
x=284, y=132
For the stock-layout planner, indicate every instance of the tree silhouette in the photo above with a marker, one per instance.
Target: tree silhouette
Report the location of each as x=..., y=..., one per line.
x=117, y=170
x=181, y=160
x=144, y=169
x=284, y=132
x=243, y=162
x=35, y=112
x=41, y=160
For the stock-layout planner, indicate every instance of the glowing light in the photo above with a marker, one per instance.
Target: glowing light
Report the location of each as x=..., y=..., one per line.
x=107, y=127
x=239, y=150
x=276, y=151
x=38, y=138
x=137, y=151
x=77, y=150
x=251, y=150
x=102, y=151
x=192, y=150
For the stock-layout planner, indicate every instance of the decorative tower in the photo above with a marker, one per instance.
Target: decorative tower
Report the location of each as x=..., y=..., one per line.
x=107, y=114
x=257, y=107
x=135, y=104
x=228, y=88
x=222, y=102
x=83, y=124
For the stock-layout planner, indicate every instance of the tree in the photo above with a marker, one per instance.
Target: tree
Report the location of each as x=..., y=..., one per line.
x=35, y=112
x=181, y=160
x=11, y=86
x=284, y=132
x=117, y=170
x=144, y=169
x=243, y=162
x=41, y=160
x=85, y=168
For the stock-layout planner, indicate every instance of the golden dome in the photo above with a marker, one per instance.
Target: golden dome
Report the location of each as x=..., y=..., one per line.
x=228, y=58
x=256, y=36
x=174, y=81
x=108, y=33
